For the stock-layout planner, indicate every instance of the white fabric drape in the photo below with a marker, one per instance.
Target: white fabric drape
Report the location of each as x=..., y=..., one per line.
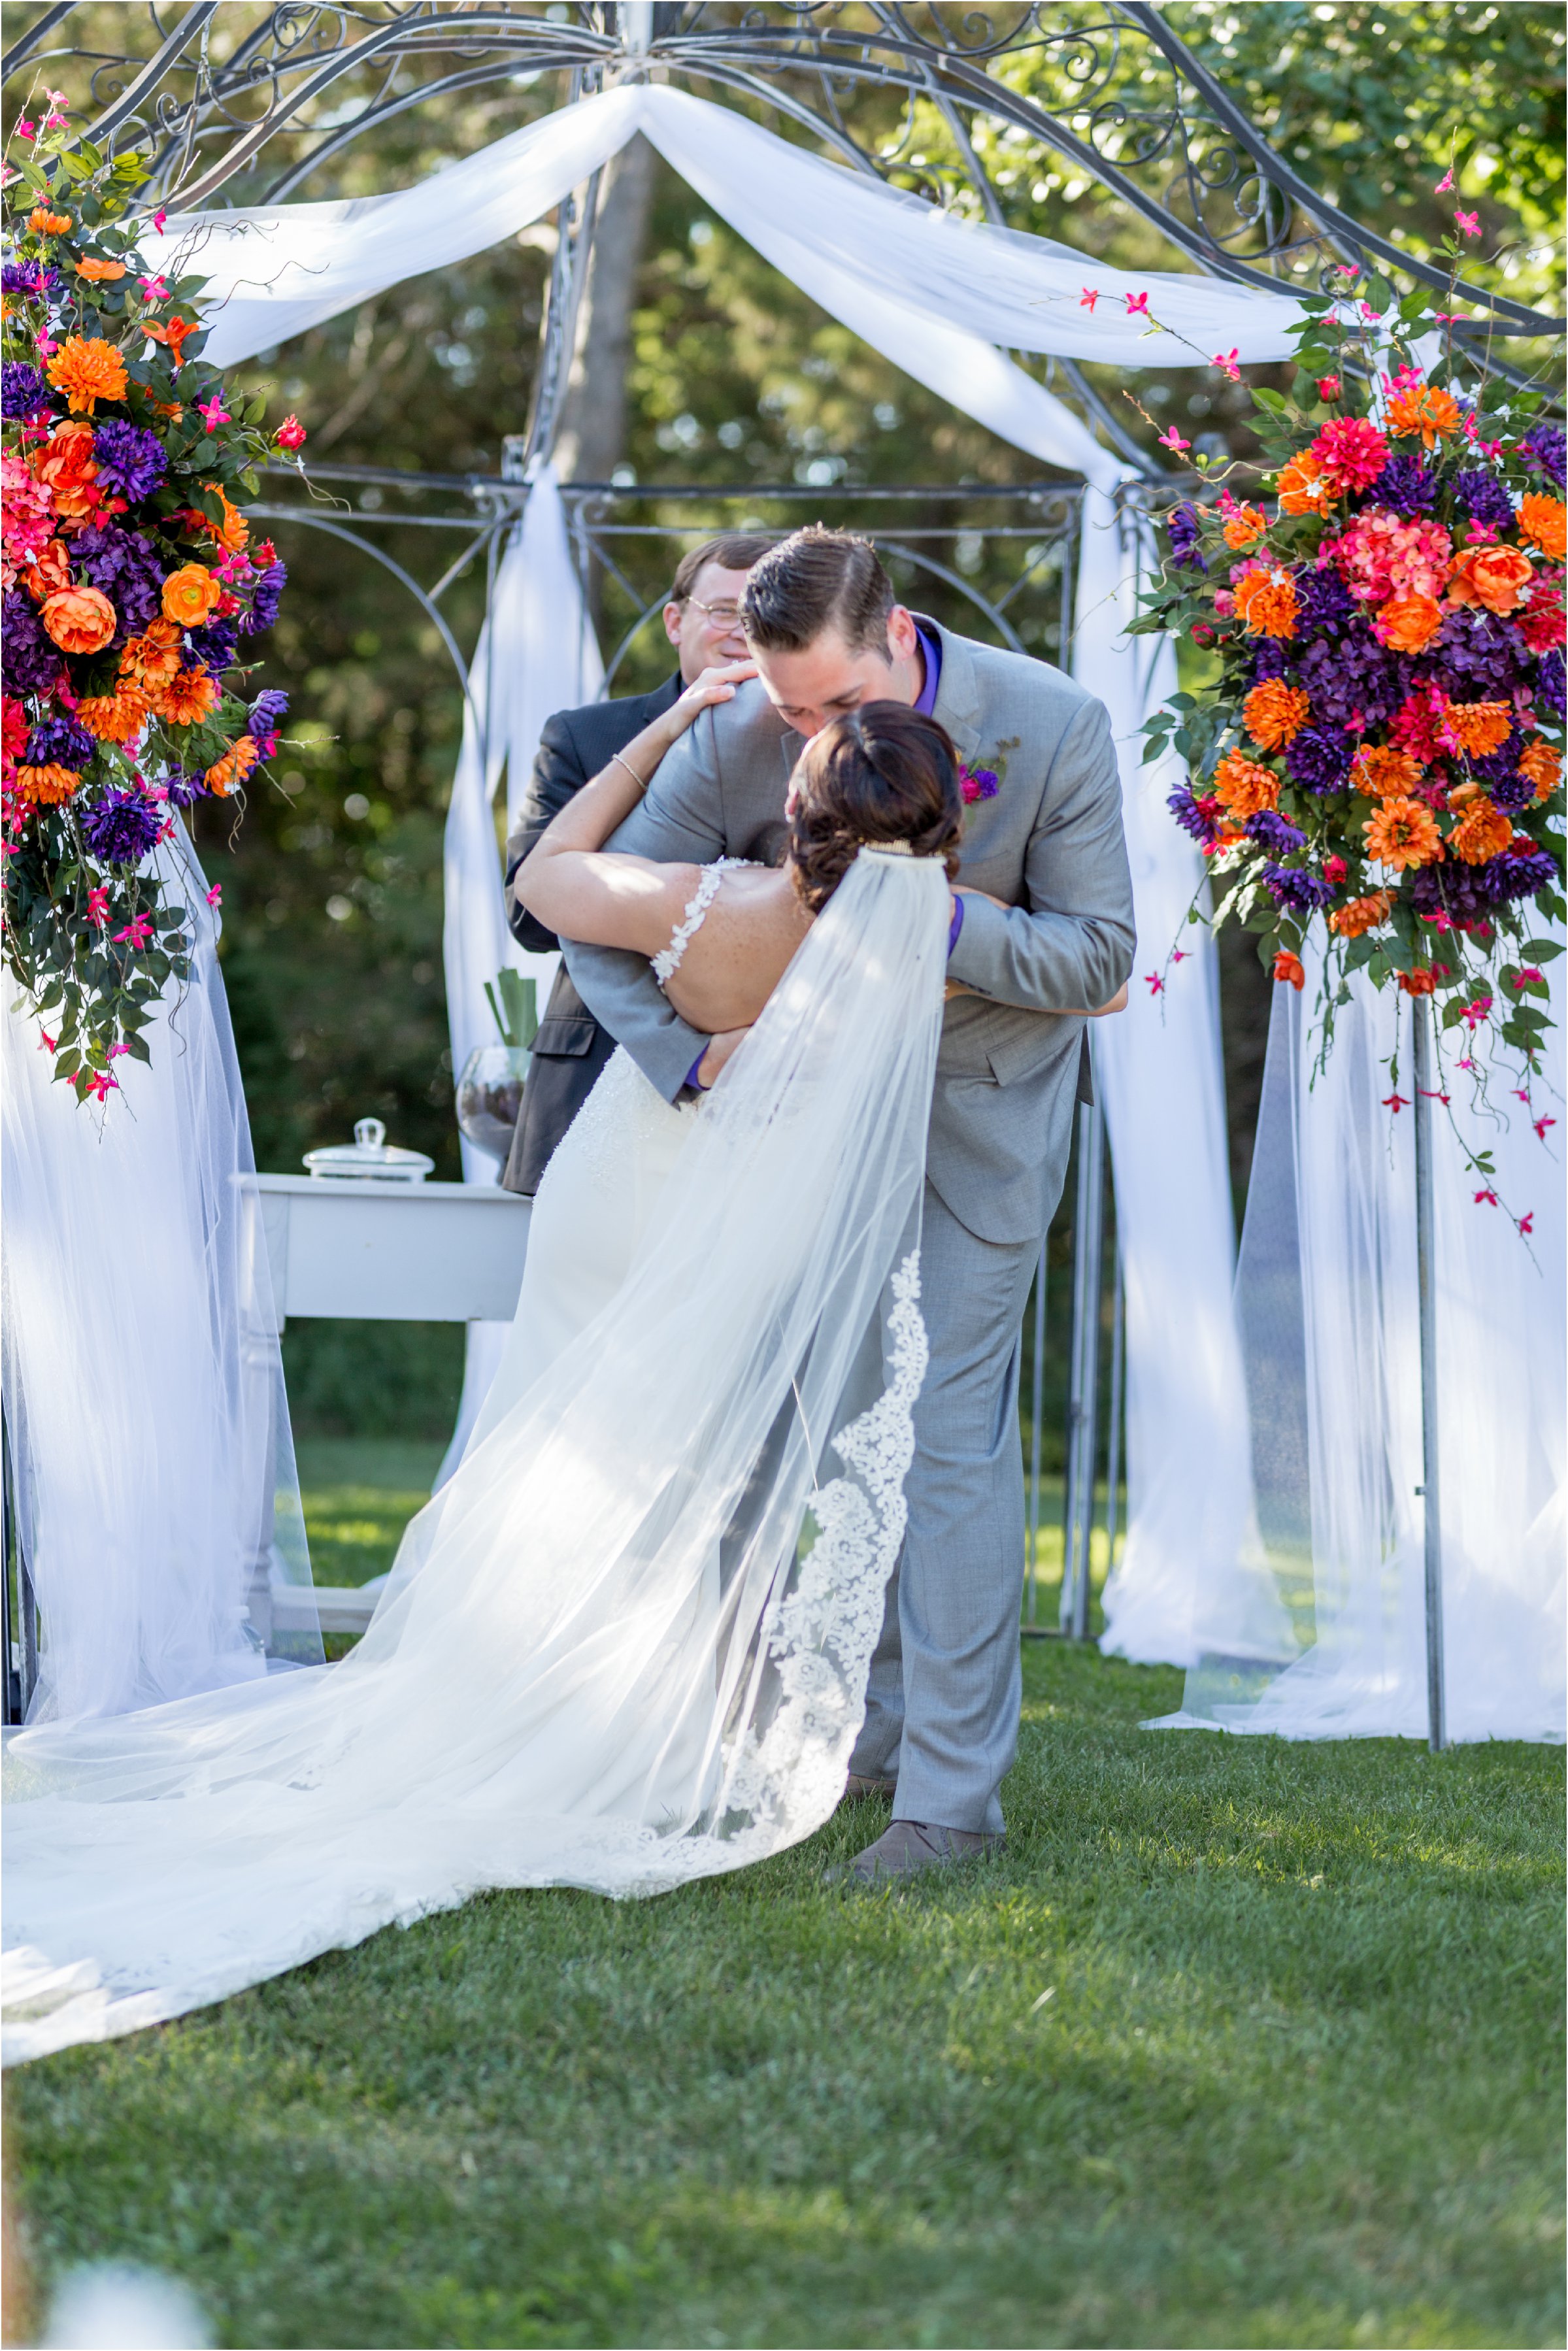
x=628, y=1646
x=537, y=652
x=1317, y=1629
x=157, y=1499
x=935, y=296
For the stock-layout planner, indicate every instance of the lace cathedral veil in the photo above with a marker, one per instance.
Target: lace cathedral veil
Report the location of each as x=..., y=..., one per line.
x=627, y=1645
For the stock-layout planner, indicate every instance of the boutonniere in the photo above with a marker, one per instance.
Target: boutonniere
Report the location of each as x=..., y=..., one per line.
x=985, y=783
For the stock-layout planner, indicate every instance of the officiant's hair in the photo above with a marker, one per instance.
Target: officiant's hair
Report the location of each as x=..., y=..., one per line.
x=884, y=772
x=813, y=580
x=732, y=550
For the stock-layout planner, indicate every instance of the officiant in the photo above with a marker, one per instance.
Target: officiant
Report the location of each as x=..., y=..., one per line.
x=702, y=621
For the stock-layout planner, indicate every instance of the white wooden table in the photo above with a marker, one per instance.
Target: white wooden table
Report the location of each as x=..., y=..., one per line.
x=382, y=1252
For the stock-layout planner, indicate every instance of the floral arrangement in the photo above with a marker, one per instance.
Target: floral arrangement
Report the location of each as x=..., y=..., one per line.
x=130, y=582
x=1382, y=747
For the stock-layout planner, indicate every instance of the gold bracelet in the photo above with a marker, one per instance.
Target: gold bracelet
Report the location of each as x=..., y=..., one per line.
x=631, y=770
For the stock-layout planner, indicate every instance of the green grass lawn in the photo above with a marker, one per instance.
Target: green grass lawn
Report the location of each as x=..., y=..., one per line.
x=1238, y=2043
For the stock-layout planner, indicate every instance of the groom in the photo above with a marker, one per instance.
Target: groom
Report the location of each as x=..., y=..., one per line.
x=1044, y=835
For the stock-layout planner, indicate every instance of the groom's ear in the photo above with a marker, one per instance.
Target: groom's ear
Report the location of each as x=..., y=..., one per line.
x=902, y=634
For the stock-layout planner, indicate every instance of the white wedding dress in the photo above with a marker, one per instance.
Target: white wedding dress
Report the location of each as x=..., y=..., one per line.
x=627, y=1645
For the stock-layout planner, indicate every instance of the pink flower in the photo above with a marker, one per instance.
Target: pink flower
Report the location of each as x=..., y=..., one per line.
x=1470, y=222
x=46, y=346
x=215, y=894
x=1445, y=186
x=1328, y=387
x=1540, y=1126
x=158, y=221
x=156, y=289
x=214, y=412
x=46, y=1042
x=1179, y=955
x=1225, y=362
x=55, y=122
x=1432, y=1093
x=1474, y=1014
x=118, y=1048
x=1224, y=603
x=1090, y=296
x=98, y=906
x=291, y=434
x=1173, y=440
x=1156, y=984
x=1526, y=1224
x=1138, y=307
x=1349, y=270
x=1379, y=556
x=136, y=934
x=1486, y=1193
x=1335, y=870
x=25, y=130
x=1526, y=973
x=1396, y=1102
x=978, y=783
x=1367, y=311
x=99, y=1085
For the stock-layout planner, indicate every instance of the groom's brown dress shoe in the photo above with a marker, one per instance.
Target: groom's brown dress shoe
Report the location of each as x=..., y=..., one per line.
x=860, y=1784
x=909, y=1846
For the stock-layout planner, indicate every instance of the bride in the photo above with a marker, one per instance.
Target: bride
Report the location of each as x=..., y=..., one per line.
x=627, y=1645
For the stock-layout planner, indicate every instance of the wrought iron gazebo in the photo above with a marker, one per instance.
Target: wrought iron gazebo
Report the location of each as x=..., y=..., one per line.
x=895, y=91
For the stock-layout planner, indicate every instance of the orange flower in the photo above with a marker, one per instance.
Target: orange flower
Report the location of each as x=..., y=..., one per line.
x=116, y=718
x=1481, y=727
x=1302, y=489
x=49, y=571
x=233, y=768
x=1461, y=793
x=1422, y=409
x=174, y=333
x=1243, y=787
x=1417, y=983
x=1481, y=832
x=233, y=531
x=87, y=369
x=1381, y=770
x=1246, y=527
x=1288, y=966
x=79, y=620
x=190, y=594
x=1401, y=833
x=1543, y=765
x=147, y=660
x=1359, y=914
x=65, y=468
x=47, y=783
x=1496, y=576
x=185, y=699
x=47, y=223
x=1266, y=603
x=1406, y=623
x=1276, y=713
x=1544, y=522
x=100, y=273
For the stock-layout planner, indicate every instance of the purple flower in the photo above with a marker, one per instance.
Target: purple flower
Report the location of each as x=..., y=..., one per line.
x=22, y=391
x=1517, y=874
x=269, y=587
x=1509, y=792
x=1189, y=816
x=1183, y=526
x=268, y=711
x=1319, y=759
x=1405, y=485
x=1477, y=656
x=1543, y=449
x=183, y=788
x=1275, y=831
x=131, y=461
x=1323, y=599
x=1484, y=496
x=1449, y=889
x=59, y=743
x=31, y=662
x=1349, y=673
x=121, y=828
x=1550, y=680
x=1269, y=658
x=122, y=563
x=28, y=278
x=1293, y=885
x=214, y=647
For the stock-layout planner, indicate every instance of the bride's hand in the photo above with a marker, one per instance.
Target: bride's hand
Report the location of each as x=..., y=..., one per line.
x=719, y=1050
x=715, y=684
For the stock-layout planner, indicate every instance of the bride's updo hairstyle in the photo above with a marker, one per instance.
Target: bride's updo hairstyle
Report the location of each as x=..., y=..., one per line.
x=881, y=773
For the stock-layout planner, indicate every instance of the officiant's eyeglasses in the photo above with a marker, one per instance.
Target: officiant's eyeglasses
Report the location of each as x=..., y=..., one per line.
x=726, y=615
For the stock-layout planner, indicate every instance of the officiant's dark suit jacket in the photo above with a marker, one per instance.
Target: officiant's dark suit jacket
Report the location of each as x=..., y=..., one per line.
x=572, y=1048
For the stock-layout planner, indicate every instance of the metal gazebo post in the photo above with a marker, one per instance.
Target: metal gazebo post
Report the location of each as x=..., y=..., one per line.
x=1426, y=1277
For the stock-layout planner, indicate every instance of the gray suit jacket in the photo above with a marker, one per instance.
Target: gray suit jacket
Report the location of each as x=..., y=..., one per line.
x=1048, y=845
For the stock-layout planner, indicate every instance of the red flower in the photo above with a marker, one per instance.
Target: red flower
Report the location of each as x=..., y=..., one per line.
x=1290, y=967
x=1335, y=870
x=291, y=434
x=1351, y=453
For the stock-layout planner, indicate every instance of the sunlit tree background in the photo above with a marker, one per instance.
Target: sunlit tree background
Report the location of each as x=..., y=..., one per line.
x=697, y=363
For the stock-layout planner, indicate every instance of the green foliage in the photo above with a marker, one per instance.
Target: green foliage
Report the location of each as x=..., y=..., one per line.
x=1238, y=2042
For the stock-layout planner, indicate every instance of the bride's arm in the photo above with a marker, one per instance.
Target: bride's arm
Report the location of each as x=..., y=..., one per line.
x=573, y=885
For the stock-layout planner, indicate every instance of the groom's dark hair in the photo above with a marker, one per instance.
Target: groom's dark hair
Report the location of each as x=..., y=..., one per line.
x=816, y=580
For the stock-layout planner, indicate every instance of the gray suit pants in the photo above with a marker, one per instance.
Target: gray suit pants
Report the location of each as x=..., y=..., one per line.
x=942, y=1706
